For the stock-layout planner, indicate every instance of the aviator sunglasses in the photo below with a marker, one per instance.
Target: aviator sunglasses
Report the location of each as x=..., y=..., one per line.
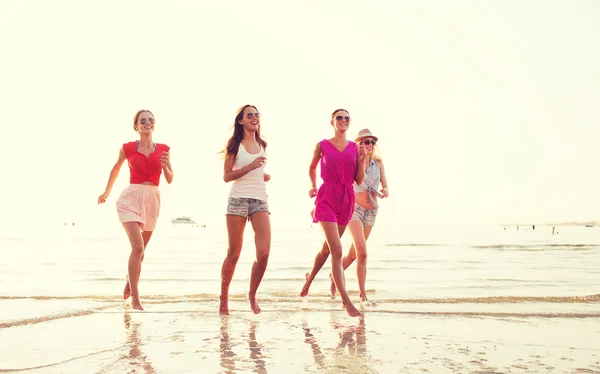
x=339, y=118
x=143, y=122
x=252, y=115
x=368, y=142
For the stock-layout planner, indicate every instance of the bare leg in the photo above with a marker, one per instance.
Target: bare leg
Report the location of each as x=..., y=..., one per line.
x=235, y=231
x=135, y=260
x=320, y=260
x=346, y=262
x=332, y=236
x=127, y=291
x=359, y=235
x=262, y=239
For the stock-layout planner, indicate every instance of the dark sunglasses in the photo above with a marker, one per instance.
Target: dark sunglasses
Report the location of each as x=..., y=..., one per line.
x=252, y=115
x=368, y=142
x=339, y=118
x=143, y=122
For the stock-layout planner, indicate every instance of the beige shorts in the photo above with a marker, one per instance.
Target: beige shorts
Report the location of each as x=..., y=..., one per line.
x=139, y=203
x=366, y=216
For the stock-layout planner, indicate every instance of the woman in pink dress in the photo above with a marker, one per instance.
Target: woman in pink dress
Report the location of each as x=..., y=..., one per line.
x=334, y=202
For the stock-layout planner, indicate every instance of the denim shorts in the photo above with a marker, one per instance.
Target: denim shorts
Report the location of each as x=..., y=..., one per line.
x=246, y=207
x=366, y=216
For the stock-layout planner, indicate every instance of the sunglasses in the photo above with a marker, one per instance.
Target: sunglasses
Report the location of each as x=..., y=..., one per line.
x=144, y=121
x=252, y=115
x=339, y=118
x=369, y=142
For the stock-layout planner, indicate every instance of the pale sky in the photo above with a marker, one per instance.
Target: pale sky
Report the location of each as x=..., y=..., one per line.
x=486, y=111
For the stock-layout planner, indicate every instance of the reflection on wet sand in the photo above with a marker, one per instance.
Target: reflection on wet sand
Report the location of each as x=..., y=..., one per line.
x=314, y=345
x=136, y=357
x=256, y=350
x=229, y=359
x=354, y=338
x=227, y=354
x=352, y=345
x=351, y=351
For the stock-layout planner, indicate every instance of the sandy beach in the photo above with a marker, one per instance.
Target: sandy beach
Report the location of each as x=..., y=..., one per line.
x=482, y=302
x=177, y=338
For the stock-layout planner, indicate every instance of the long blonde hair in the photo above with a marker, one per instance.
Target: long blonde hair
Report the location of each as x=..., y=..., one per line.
x=374, y=153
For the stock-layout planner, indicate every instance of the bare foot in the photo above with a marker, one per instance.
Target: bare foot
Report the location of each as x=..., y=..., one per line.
x=332, y=288
x=223, y=305
x=363, y=298
x=135, y=302
x=352, y=311
x=127, y=290
x=304, y=291
x=253, y=304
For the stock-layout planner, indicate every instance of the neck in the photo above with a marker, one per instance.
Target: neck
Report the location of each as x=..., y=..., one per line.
x=340, y=135
x=249, y=136
x=146, y=140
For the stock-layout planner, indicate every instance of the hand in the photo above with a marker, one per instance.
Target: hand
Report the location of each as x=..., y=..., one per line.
x=384, y=192
x=164, y=159
x=312, y=192
x=102, y=198
x=267, y=177
x=362, y=152
x=258, y=162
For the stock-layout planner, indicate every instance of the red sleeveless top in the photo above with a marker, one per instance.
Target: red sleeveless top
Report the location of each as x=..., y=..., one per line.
x=144, y=168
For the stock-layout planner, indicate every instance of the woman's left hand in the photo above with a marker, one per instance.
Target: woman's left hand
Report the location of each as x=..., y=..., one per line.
x=384, y=192
x=267, y=177
x=164, y=159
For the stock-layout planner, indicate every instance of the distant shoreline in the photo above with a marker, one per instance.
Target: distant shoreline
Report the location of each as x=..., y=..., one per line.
x=551, y=224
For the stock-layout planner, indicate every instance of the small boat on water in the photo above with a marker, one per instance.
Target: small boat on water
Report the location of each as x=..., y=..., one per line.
x=183, y=220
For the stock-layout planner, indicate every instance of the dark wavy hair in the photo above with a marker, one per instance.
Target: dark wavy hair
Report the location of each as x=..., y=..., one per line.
x=233, y=144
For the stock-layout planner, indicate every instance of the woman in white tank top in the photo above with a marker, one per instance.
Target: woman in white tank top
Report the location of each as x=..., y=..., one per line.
x=244, y=166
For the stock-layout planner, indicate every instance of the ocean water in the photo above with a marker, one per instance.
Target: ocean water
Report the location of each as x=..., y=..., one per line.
x=54, y=281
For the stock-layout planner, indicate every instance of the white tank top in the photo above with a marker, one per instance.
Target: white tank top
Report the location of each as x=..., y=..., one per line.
x=252, y=185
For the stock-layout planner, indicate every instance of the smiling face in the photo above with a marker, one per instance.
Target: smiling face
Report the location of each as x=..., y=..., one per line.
x=341, y=120
x=145, y=123
x=250, y=120
x=369, y=144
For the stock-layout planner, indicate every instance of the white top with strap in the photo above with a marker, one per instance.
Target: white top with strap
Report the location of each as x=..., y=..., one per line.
x=252, y=185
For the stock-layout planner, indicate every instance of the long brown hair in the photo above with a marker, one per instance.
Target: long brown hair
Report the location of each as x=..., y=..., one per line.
x=233, y=144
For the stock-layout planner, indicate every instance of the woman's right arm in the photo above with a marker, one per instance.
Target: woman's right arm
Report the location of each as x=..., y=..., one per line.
x=230, y=175
x=312, y=171
x=114, y=173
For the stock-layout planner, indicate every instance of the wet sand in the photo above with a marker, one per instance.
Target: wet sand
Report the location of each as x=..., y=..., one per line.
x=317, y=337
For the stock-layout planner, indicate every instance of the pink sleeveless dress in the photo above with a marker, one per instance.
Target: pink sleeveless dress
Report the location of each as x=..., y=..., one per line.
x=335, y=199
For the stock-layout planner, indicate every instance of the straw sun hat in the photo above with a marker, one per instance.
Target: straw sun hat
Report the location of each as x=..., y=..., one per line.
x=364, y=133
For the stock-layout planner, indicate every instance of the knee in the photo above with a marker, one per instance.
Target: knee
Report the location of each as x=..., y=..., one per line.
x=362, y=256
x=137, y=250
x=325, y=250
x=336, y=252
x=233, y=256
x=262, y=257
x=352, y=254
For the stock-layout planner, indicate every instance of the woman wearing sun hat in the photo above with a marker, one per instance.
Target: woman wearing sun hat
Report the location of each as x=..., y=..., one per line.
x=365, y=207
